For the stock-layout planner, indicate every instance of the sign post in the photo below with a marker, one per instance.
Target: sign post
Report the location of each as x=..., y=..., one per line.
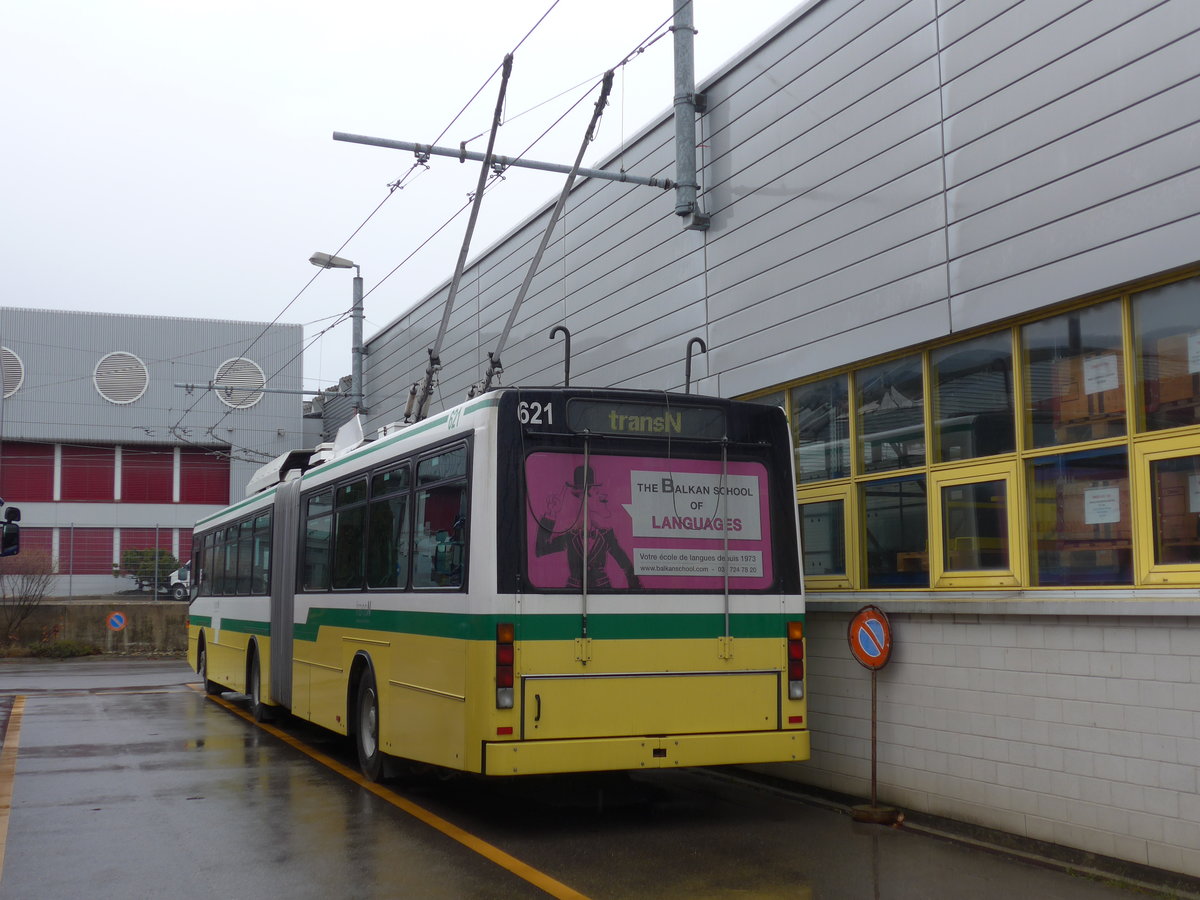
x=870, y=638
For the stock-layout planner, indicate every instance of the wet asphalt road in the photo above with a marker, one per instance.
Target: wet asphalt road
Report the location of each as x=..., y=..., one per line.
x=129, y=783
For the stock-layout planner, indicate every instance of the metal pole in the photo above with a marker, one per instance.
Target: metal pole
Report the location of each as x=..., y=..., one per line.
x=687, y=185
x=501, y=162
x=685, y=110
x=356, y=315
x=874, y=741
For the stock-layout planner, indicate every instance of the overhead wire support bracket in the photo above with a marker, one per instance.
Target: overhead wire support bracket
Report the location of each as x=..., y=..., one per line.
x=495, y=367
x=424, y=151
x=435, y=352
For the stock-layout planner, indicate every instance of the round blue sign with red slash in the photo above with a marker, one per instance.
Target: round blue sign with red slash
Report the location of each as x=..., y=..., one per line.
x=116, y=621
x=870, y=637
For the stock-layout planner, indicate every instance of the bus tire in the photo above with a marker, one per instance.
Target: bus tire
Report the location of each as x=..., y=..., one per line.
x=366, y=728
x=259, y=710
x=210, y=687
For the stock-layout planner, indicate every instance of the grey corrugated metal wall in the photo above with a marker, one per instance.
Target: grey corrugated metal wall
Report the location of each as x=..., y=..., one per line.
x=879, y=173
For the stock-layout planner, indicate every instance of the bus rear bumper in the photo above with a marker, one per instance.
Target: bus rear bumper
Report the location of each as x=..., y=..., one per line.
x=502, y=758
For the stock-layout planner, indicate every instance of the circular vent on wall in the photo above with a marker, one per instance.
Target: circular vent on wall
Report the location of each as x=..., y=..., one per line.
x=239, y=383
x=121, y=377
x=14, y=371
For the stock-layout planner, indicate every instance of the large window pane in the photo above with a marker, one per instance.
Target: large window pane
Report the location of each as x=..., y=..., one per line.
x=349, y=535
x=261, y=575
x=1081, y=520
x=897, y=538
x=229, y=569
x=975, y=526
x=349, y=548
x=245, y=564
x=820, y=426
x=388, y=531
x=387, y=554
x=1176, y=487
x=1167, y=337
x=973, y=398
x=1074, y=376
x=891, y=415
x=441, y=536
x=318, y=534
x=823, y=537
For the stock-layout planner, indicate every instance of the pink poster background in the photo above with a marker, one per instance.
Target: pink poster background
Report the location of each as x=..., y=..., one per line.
x=555, y=483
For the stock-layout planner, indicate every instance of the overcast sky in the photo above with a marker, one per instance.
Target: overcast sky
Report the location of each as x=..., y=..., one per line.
x=175, y=158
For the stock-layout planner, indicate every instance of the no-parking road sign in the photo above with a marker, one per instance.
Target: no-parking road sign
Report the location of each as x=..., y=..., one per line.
x=116, y=621
x=870, y=637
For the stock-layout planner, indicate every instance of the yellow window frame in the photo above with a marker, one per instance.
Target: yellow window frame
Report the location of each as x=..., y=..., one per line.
x=826, y=493
x=940, y=575
x=1145, y=454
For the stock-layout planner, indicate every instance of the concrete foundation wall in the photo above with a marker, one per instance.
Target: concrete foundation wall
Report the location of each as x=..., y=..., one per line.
x=150, y=626
x=1079, y=731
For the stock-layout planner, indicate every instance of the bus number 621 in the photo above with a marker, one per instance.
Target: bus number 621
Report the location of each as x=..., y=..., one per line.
x=534, y=413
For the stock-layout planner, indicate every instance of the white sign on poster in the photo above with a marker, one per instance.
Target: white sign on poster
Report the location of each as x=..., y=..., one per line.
x=1102, y=506
x=1101, y=373
x=699, y=505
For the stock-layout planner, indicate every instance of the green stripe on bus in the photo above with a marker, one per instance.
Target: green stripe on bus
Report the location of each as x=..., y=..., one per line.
x=241, y=626
x=546, y=627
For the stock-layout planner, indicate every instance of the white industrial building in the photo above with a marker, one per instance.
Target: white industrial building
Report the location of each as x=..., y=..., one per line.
x=118, y=432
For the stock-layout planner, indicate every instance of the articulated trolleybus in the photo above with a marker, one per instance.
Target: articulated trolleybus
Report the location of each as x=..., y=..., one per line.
x=536, y=581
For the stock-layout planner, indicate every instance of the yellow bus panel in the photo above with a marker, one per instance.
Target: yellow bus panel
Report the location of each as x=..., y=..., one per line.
x=547, y=757
x=594, y=705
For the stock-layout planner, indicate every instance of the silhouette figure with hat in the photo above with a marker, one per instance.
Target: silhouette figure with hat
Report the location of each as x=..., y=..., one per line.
x=562, y=529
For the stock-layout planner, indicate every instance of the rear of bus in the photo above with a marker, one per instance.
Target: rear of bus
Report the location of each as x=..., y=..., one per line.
x=649, y=541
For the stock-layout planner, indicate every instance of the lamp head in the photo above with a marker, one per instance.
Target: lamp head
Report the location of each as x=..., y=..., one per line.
x=326, y=261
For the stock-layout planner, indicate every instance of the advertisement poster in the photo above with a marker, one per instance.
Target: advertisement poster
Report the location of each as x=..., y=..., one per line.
x=654, y=524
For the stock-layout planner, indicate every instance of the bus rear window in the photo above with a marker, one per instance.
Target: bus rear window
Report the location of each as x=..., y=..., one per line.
x=647, y=524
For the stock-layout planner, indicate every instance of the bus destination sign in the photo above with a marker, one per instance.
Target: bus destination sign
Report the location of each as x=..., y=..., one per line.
x=634, y=419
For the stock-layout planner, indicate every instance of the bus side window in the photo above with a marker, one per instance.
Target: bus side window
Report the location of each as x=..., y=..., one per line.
x=318, y=533
x=441, y=520
x=261, y=576
x=388, y=528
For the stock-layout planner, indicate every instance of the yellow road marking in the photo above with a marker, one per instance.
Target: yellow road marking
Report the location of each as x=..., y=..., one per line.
x=8, y=770
x=522, y=870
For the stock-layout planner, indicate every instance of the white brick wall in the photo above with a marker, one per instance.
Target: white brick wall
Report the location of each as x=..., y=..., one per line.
x=1083, y=731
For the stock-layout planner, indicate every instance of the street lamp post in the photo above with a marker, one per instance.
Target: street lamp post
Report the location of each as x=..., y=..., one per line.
x=326, y=261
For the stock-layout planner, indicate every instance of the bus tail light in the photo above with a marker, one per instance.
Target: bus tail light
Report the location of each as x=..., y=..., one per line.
x=505, y=658
x=795, y=660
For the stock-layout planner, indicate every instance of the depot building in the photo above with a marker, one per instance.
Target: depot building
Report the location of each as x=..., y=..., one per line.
x=959, y=243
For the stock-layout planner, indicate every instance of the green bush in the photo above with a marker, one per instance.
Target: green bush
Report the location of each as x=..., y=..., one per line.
x=64, y=649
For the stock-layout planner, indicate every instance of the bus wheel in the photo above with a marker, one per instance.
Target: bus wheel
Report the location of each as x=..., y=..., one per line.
x=366, y=728
x=210, y=687
x=258, y=709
